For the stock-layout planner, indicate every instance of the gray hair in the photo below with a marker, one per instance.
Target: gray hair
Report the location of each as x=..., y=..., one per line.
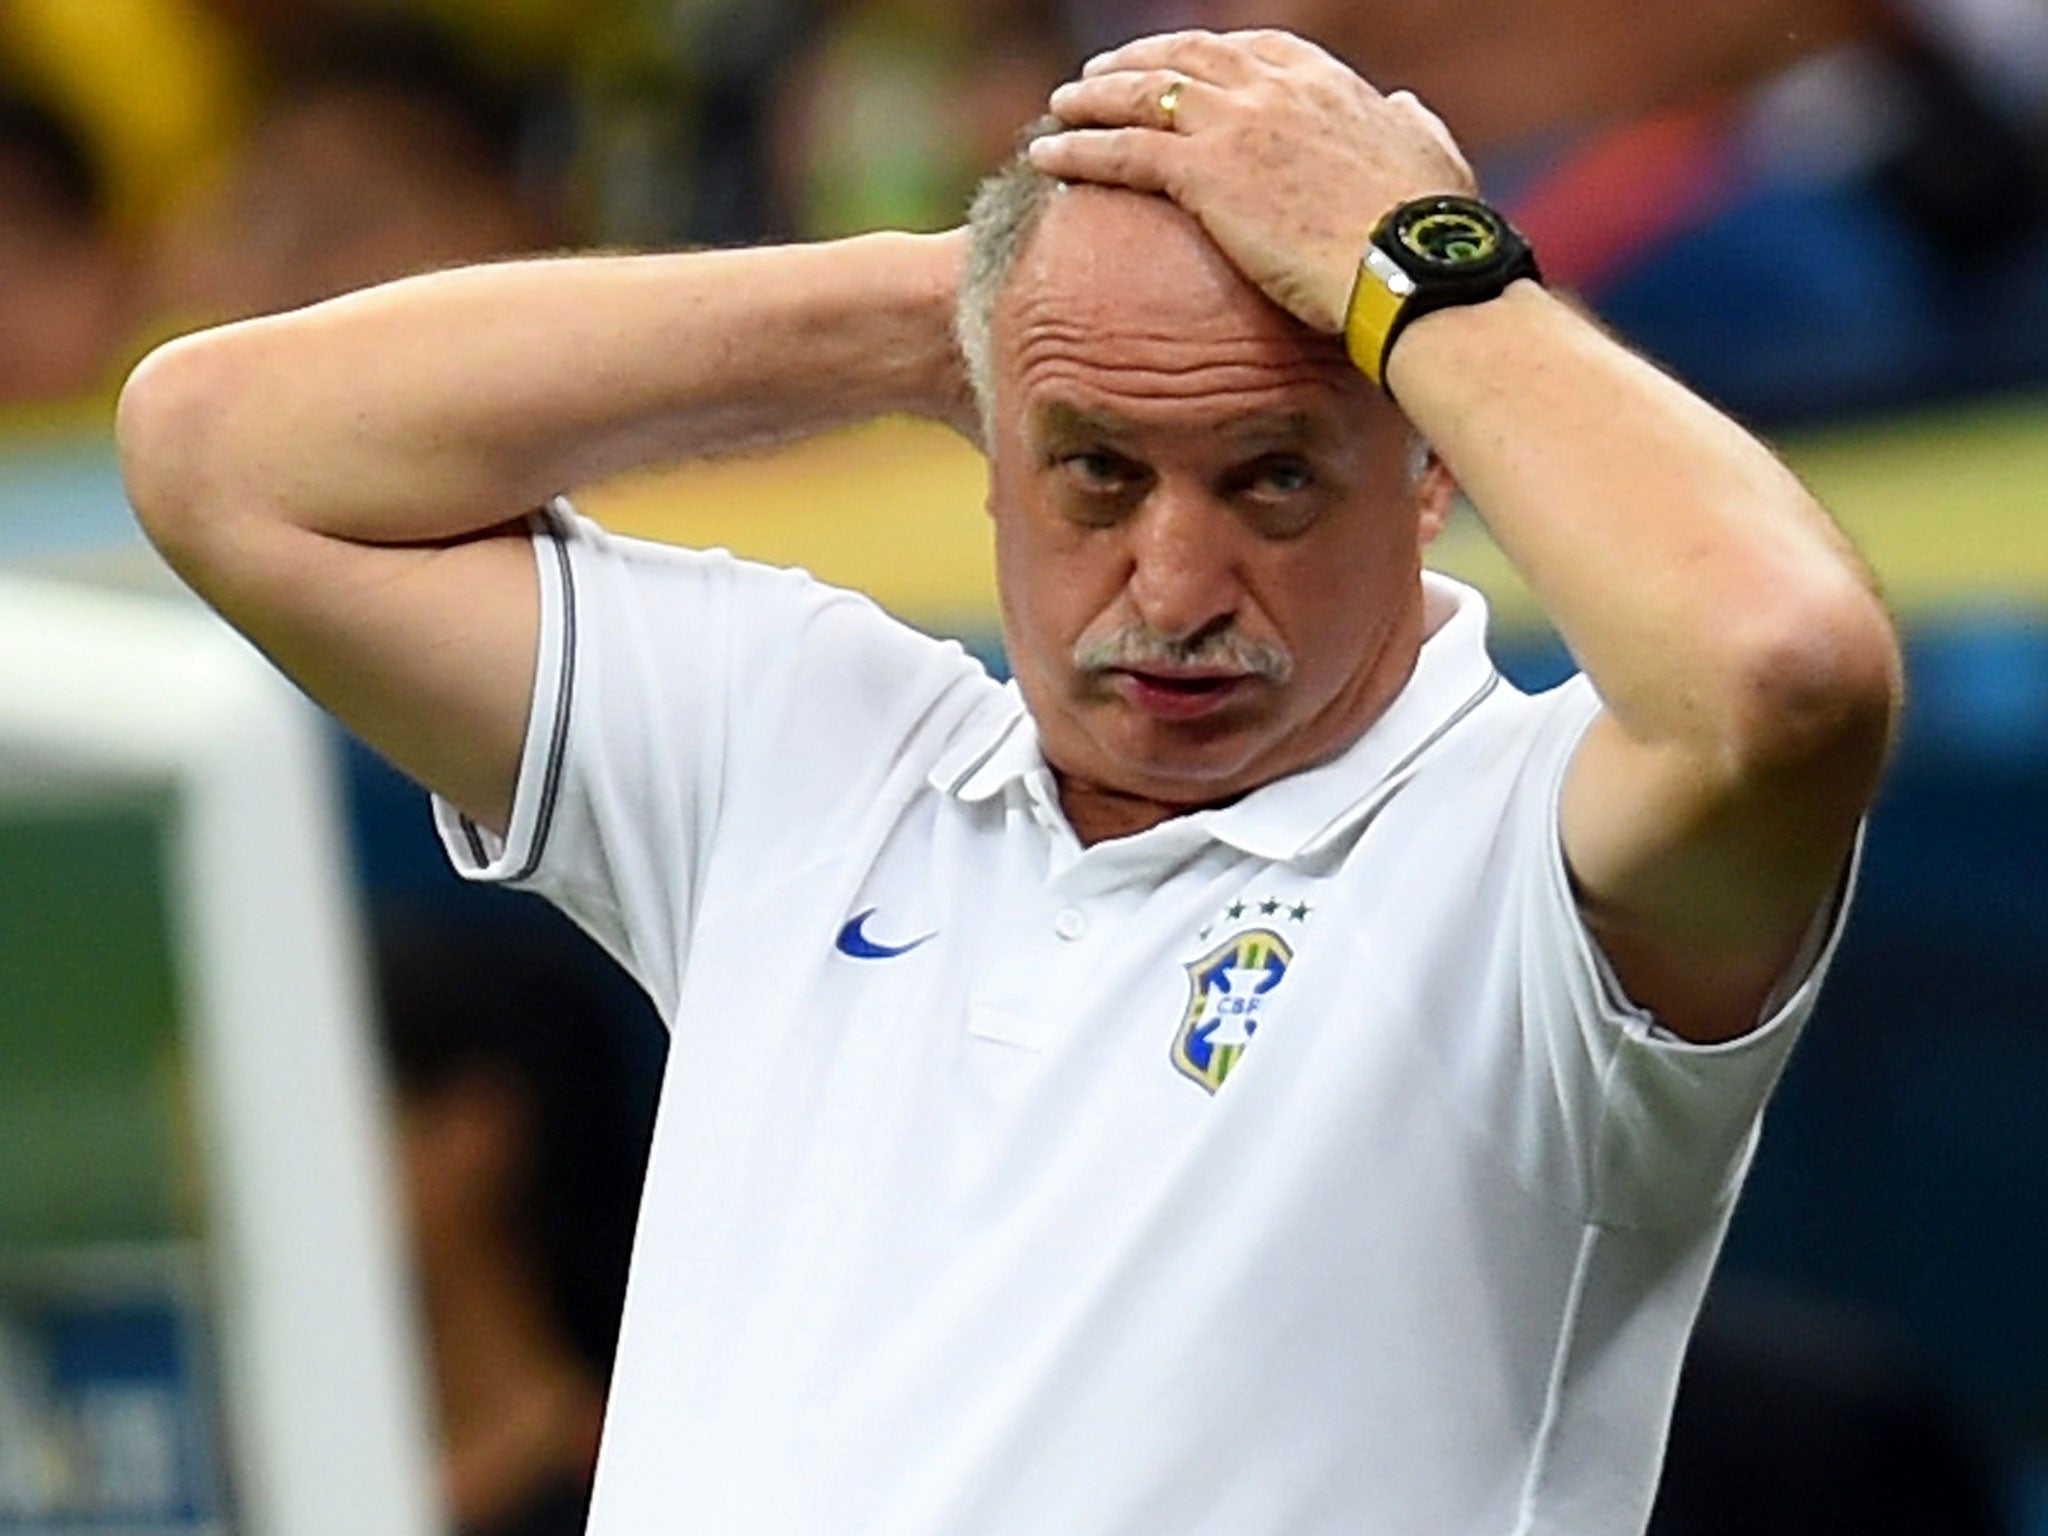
x=1000, y=220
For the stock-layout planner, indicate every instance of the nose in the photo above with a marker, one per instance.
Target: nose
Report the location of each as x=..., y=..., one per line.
x=1183, y=566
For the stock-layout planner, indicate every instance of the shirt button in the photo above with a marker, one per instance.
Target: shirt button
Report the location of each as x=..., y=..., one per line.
x=1071, y=923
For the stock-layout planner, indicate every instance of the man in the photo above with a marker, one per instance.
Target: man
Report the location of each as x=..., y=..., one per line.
x=1263, y=1074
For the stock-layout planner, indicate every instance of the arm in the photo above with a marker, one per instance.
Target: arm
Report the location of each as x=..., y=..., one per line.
x=344, y=482
x=1749, y=673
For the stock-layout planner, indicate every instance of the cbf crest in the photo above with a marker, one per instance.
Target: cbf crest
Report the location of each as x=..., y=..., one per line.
x=1229, y=989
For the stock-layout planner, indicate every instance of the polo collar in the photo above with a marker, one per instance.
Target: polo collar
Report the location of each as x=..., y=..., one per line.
x=1294, y=816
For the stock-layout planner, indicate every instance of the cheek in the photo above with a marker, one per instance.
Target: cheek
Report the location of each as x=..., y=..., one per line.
x=1052, y=579
x=1329, y=599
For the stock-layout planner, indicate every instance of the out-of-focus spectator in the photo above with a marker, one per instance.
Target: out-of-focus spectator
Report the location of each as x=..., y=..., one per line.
x=897, y=107
x=511, y=35
x=523, y=1136
x=384, y=152
x=1861, y=232
x=158, y=88
x=64, y=273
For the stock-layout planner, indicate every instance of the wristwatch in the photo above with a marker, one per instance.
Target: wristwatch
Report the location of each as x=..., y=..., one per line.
x=1431, y=253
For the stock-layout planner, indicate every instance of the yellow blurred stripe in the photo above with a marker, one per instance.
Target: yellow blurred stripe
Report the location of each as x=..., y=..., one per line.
x=892, y=508
x=1950, y=508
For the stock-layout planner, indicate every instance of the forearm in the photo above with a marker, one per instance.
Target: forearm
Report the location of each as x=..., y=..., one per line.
x=436, y=406
x=1709, y=598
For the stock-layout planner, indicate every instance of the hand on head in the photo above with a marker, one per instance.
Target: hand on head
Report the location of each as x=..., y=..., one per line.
x=1286, y=156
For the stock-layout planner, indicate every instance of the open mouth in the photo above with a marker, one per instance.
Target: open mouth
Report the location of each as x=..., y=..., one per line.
x=1180, y=696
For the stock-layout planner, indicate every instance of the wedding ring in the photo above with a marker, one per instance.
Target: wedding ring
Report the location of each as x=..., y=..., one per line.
x=1169, y=103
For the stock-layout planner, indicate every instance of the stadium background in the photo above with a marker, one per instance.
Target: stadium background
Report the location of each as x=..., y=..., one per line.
x=1903, y=1178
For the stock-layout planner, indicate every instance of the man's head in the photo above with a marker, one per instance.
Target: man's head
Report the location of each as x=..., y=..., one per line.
x=1208, y=541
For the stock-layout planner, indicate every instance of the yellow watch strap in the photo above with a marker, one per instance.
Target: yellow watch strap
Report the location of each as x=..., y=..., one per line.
x=1378, y=293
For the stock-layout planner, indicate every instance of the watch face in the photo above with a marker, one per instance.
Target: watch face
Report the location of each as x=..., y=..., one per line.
x=1451, y=233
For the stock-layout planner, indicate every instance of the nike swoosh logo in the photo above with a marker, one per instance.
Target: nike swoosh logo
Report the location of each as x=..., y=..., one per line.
x=857, y=944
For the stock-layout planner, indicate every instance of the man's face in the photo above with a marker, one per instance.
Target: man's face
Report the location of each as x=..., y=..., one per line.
x=1207, y=543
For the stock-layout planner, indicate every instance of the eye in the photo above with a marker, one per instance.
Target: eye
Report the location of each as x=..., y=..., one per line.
x=1097, y=486
x=1279, y=475
x=1098, y=471
x=1278, y=495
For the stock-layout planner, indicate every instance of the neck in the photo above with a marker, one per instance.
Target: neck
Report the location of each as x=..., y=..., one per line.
x=1097, y=813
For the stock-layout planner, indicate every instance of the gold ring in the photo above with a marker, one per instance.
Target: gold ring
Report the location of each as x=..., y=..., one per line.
x=1169, y=103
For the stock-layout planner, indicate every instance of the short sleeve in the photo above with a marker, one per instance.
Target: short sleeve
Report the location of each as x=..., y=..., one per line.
x=678, y=701
x=620, y=776
x=1662, y=1128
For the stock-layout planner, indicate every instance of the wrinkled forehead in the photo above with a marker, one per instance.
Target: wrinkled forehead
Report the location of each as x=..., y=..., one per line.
x=1121, y=304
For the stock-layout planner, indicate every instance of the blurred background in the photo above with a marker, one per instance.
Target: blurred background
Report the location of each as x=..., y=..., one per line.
x=1830, y=215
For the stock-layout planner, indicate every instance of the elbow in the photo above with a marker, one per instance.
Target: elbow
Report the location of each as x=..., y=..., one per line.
x=1820, y=684
x=168, y=432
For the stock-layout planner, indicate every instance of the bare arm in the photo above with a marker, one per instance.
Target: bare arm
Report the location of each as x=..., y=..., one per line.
x=1749, y=672
x=344, y=482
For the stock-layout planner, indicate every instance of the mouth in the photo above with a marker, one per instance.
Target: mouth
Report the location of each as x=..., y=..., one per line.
x=1179, y=695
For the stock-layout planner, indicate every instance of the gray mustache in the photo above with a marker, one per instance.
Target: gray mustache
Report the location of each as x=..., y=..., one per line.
x=1136, y=648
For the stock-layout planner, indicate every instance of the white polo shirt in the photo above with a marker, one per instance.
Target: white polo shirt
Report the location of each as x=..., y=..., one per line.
x=1288, y=1169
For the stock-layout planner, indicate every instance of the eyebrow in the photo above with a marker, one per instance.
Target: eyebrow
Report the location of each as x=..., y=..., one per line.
x=1064, y=422
x=1279, y=428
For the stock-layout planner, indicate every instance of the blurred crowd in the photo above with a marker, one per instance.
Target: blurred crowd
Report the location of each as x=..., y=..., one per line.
x=1808, y=207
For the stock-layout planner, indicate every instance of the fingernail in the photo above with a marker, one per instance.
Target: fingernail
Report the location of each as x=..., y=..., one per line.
x=1061, y=93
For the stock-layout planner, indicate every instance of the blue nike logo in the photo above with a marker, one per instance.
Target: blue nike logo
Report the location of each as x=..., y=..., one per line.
x=857, y=944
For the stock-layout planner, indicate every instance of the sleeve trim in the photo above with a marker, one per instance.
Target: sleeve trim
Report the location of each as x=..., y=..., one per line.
x=477, y=852
x=565, y=698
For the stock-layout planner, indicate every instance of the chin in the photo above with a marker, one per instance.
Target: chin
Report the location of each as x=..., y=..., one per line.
x=1189, y=779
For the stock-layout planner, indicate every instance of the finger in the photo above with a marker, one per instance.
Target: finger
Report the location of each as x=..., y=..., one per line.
x=1121, y=157
x=1136, y=98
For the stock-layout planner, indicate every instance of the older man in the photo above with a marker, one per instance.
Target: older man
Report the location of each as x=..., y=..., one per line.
x=1259, y=1074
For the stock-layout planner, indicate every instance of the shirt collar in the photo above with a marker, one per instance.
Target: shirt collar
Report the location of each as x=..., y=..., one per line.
x=1302, y=812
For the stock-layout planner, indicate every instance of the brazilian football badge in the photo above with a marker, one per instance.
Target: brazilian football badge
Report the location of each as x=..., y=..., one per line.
x=1227, y=990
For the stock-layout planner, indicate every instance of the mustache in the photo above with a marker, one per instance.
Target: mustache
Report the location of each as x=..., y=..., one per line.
x=1223, y=648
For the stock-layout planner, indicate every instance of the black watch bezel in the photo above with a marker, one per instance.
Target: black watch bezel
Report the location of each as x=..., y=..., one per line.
x=1455, y=246
x=1420, y=238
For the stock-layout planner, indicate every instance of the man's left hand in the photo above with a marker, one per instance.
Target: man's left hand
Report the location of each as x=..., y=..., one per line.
x=1287, y=157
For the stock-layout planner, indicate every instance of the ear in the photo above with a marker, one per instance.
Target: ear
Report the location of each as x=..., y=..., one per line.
x=1436, y=492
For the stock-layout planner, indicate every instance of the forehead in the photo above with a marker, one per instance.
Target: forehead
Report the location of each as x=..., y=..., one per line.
x=1122, y=314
